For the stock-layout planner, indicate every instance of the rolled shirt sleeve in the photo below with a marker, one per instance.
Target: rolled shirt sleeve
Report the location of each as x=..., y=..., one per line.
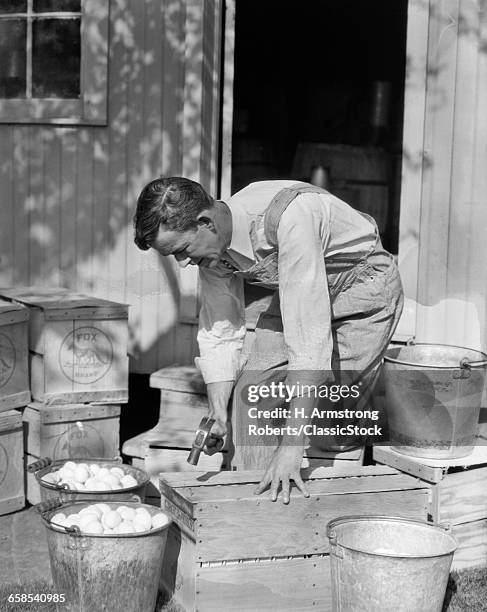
x=221, y=325
x=303, y=234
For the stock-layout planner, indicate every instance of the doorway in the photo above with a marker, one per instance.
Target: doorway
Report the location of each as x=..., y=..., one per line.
x=319, y=96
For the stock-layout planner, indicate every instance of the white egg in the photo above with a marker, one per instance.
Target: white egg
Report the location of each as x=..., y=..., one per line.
x=128, y=481
x=102, y=472
x=107, y=531
x=49, y=478
x=143, y=511
x=86, y=519
x=118, y=472
x=159, y=520
x=126, y=513
x=56, y=476
x=113, y=481
x=72, y=519
x=125, y=527
x=58, y=518
x=94, y=469
x=102, y=507
x=70, y=465
x=111, y=519
x=81, y=474
x=142, y=522
x=94, y=527
x=66, y=474
x=89, y=483
x=99, y=485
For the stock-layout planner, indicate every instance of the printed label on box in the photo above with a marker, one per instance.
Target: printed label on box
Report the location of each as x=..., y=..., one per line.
x=79, y=440
x=86, y=355
x=7, y=359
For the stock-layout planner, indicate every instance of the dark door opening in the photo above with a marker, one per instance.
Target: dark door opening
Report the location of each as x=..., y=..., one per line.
x=319, y=95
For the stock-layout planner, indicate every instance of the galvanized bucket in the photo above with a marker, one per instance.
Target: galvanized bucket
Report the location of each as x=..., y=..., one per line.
x=51, y=491
x=105, y=573
x=433, y=396
x=385, y=564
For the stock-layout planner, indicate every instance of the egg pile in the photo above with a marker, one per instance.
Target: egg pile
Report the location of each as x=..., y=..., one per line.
x=102, y=519
x=90, y=477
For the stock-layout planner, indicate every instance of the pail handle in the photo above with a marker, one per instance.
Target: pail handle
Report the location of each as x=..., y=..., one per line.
x=38, y=465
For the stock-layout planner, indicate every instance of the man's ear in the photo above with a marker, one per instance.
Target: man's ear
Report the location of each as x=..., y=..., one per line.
x=206, y=218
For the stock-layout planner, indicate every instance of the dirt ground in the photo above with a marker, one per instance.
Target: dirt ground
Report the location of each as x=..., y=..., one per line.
x=23, y=547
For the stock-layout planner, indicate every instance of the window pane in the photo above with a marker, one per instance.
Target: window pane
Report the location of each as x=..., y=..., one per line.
x=47, y=6
x=13, y=6
x=56, y=58
x=12, y=54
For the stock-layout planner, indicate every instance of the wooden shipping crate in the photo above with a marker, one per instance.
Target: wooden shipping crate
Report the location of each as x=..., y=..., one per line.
x=165, y=447
x=77, y=344
x=68, y=431
x=14, y=365
x=458, y=497
x=12, y=495
x=229, y=549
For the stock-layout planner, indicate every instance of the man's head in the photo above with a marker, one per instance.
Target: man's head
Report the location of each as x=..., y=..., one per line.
x=177, y=217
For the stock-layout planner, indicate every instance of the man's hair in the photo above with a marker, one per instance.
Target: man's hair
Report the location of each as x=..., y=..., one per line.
x=173, y=202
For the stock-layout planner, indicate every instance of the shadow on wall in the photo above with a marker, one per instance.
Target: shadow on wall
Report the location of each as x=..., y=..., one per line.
x=69, y=192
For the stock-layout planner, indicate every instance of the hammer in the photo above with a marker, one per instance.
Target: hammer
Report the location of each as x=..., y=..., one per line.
x=201, y=438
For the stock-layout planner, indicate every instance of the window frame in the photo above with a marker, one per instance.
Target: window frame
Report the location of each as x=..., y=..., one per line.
x=91, y=107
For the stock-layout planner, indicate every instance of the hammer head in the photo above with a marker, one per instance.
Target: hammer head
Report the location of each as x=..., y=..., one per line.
x=202, y=435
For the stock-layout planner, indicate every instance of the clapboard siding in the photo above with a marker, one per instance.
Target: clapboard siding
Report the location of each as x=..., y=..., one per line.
x=443, y=206
x=68, y=193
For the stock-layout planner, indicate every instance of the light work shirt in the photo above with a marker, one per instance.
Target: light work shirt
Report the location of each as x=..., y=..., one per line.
x=313, y=228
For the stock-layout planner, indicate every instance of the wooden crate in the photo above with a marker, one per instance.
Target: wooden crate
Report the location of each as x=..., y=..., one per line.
x=14, y=365
x=12, y=495
x=458, y=497
x=229, y=549
x=77, y=345
x=165, y=447
x=75, y=430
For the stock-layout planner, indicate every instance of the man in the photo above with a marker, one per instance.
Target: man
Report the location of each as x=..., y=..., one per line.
x=337, y=302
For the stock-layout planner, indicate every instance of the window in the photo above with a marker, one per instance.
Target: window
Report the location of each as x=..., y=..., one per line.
x=53, y=66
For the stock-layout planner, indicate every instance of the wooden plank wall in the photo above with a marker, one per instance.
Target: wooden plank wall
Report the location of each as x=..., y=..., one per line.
x=68, y=193
x=447, y=276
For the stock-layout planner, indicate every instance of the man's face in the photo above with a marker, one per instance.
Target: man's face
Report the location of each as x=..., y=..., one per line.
x=197, y=247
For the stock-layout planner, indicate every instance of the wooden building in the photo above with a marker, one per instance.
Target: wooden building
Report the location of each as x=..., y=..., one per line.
x=155, y=95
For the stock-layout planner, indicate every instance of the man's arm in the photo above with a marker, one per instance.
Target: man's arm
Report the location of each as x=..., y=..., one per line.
x=220, y=338
x=305, y=308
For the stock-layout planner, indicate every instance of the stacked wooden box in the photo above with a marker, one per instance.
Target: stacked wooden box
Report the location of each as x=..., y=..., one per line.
x=229, y=549
x=458, y=497
x=77, y=351
x=14, y=393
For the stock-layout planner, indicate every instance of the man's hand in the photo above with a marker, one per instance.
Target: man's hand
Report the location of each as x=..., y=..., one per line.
x=284, y=466
x=216, y=439
x=218, y=397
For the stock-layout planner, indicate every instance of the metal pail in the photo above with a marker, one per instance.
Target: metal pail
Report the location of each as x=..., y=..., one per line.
x=106, y=573
x=433, y=396
x=385, y=564
x=51, y=491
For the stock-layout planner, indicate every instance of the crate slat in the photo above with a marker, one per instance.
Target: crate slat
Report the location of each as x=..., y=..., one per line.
x=12, y=493
x=276, y=585
x=14, y=374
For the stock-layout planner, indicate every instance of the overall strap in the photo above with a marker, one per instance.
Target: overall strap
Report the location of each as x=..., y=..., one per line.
x=278, y=205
